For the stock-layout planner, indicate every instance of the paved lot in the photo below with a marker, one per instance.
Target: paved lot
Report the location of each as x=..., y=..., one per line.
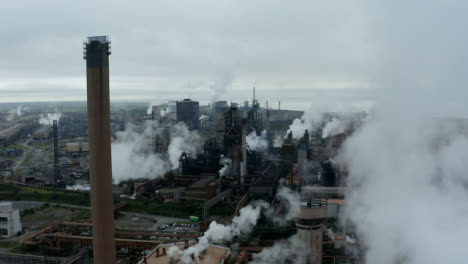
x=156, y=219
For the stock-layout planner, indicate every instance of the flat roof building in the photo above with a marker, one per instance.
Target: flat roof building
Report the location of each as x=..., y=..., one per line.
x=212, y=255
x=10, y=224
x=188, y=111
x=42, y=133
x=10, y=133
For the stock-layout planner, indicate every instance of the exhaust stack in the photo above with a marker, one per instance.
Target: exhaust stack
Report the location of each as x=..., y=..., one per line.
x=96, y=54
x=56, y=154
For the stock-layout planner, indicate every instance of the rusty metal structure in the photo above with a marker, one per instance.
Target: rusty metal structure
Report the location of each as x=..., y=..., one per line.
x=96, y=53
x=57, y=236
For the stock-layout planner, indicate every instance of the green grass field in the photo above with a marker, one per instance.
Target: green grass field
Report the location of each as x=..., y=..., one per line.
x=21, y=193
x=14, y=146
x=50, y=195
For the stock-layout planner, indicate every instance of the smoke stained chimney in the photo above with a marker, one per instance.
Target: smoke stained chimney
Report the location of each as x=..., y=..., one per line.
x=96, y=53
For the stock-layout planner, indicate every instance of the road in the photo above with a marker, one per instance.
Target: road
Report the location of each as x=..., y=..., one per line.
x=23, y=205
x=25, y=154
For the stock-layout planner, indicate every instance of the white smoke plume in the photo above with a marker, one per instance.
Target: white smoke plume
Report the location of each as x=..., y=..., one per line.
x=257, y=143
x=204, y=118
x=174, y=252
x=217, y=233
x=15, y=113
x=350, y=240
x=19, y=111
x=183, y=140
x=79, y=187
x=220, y=85
x=313, y=117
x=344, y=122
x=132, y=157
x=291, y=199
x=335, y=127
x=407, y=178
x=149, y=110
x=278, y=141
x=330, y=234
x=291, y=250
x=164, y=111
x=48, y=119
x=226, y=163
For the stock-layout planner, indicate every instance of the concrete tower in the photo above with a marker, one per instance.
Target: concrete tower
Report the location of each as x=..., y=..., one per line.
x=96, y=53
x=309, y=228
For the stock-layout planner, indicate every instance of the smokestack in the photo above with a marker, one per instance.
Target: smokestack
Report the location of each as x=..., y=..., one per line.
x=56, y=153
x=253, y=94
x=243, y=168
x=279, y=105
x=97, y=51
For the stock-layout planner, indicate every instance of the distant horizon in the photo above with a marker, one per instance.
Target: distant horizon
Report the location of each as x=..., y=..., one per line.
x=292, y=99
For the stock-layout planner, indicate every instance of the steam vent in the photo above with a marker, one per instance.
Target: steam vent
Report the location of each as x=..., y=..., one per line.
x=309, y=227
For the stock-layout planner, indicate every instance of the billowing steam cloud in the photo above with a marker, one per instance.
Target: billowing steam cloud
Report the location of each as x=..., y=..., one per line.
x=407, y=165
x=216, y=233
x=243, y=225
x=291, y=250
x=226, y=163
x=204, y=118
x=183, y=140
x=149, y=110
x=15, y=113
x=133, y=157
x=342, y=123
x=163, y=110
x=278, y=141
x=423, y=169
x=334, y=127
x=49, y=118
x=19, y=111
x=313, y=117
x=291, y=200
x=311, y=120
x=257, y=143
x=220, y=85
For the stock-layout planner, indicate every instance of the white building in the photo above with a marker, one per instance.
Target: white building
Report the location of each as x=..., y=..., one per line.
x=10, y=223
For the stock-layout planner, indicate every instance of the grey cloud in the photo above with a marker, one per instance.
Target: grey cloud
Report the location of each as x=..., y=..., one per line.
x=282, y=43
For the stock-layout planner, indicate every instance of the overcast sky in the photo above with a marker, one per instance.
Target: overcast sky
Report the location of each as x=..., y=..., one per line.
x=296, y=51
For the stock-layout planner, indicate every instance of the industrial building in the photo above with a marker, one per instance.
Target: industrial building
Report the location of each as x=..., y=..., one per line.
x=214, y=254
x=188, y=111
x=10, y=133
x=10, y=224
x=220, y=106
x=42, y=133
x=76, y=147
